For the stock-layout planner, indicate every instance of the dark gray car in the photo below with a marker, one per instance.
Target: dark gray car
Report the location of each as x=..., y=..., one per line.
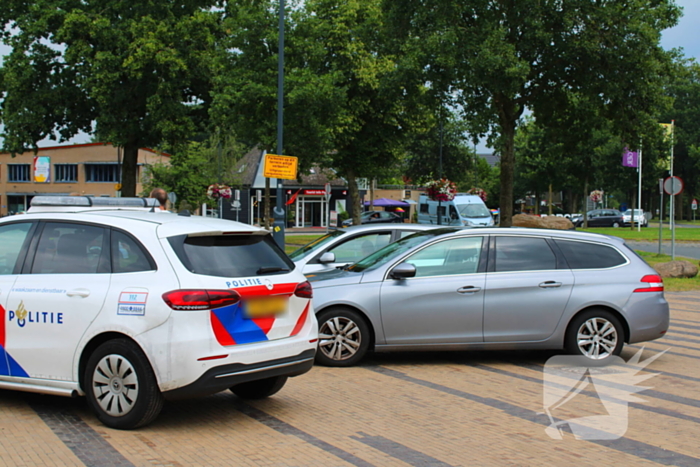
x=491, y=288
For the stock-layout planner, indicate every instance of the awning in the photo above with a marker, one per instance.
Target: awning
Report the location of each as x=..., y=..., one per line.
x=388, y=203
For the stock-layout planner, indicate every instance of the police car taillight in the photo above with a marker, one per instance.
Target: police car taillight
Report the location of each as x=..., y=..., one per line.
x=198, y=299
x=653, y=282
x=304, y=290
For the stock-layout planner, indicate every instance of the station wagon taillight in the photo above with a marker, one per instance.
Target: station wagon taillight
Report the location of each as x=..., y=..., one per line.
x=653, y=282
x=200, y=299
x=304, y=290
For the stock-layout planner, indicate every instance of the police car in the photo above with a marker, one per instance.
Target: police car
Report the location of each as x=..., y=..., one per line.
x=106, y=298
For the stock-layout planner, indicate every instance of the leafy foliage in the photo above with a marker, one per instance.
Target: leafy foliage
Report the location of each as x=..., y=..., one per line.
x=140, y=71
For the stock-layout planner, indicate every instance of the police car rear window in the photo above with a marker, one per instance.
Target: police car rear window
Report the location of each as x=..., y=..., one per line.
x=231, y=255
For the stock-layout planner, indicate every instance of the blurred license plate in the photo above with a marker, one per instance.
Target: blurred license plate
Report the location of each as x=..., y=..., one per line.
x=262, y=307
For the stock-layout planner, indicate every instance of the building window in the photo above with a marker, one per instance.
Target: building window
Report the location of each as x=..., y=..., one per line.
x=102, y=172
x=66, y=172
x=18, y=172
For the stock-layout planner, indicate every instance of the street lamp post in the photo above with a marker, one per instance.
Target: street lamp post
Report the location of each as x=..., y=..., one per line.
x=279, y=213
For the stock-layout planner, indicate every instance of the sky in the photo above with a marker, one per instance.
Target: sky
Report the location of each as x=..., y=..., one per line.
x=684, y=36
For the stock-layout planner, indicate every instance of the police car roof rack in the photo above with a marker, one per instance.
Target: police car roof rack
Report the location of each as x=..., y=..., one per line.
x=92, y=202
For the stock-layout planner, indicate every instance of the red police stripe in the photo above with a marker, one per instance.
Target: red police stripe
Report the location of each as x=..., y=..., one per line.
x=301, y=320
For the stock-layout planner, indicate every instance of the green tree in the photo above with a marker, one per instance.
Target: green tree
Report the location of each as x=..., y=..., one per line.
x=684, y=88
x=194, y=167
x=140, y=72
x=422, y=160
x=372, y=116
x=509, y=56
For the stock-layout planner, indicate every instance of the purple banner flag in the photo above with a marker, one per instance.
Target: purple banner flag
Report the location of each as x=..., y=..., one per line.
x=629, y=158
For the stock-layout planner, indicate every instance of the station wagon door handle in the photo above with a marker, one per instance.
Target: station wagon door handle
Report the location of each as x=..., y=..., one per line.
x=78, y=293
x=550, y=284
x=468, y=289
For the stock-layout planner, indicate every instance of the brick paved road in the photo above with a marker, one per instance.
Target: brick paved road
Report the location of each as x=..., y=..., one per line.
x=427, y=409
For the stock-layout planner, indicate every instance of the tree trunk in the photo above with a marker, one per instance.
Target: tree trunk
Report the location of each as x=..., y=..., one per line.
x=537, y=202
x=508, y=117
x=354, y=198
x=585, y=203
x=550, y=199
x=129, y=169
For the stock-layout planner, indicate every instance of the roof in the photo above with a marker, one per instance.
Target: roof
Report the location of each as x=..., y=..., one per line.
x=85, y=145
x=250, y=168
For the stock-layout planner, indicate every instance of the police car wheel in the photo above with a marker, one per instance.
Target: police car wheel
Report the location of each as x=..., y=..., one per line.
x=343, y=337
x=120, y=385
x=259, y=389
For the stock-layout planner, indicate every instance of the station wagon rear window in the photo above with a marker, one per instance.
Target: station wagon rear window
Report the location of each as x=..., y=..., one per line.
x=583, y=255
x=231, y=255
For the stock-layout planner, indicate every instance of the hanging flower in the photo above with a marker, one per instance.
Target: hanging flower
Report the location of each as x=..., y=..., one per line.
x=217, y=191
x=596, y=196
x=480, y=192
x=441, y=190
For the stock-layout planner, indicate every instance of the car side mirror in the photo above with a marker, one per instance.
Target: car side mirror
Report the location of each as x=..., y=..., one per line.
x=327, y=257
x=403, y=271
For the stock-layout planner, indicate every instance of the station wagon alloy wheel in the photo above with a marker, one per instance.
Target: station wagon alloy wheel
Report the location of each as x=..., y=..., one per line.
x=343, y=337
x=597, y=338
x=340, y=338
x=115, y=385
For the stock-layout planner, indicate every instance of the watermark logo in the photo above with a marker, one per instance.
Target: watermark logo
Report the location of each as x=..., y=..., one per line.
x=612, y=384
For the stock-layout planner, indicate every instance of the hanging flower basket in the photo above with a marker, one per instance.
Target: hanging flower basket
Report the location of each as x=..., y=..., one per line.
x=441, y=190
x=480, y=192
x=217, y=191
x=596, y=196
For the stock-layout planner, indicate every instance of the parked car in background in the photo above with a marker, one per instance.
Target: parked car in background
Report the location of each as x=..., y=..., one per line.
x=639, y=218
x=346, y=246
x=601, y=218
x=463, y=210
x=129, y=308
x=376, y=217
x=487, y=288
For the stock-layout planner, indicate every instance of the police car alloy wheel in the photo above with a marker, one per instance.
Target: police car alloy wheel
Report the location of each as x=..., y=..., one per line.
x=120, y=386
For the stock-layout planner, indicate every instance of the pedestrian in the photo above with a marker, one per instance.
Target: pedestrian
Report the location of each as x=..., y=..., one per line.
x=161, y=195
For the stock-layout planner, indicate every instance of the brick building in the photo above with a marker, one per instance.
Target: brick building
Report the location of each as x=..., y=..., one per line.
x=92, y=169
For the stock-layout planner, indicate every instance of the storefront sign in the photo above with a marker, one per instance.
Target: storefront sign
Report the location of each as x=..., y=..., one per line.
x=315, y=192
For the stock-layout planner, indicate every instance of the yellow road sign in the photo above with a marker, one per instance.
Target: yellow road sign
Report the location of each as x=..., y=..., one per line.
x=284, y=167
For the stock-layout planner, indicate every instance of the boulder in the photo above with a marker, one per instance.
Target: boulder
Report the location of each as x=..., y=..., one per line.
x=548, y=222
x=676, y=269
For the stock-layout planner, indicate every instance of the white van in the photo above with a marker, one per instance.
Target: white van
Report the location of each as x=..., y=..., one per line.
x=463, y=210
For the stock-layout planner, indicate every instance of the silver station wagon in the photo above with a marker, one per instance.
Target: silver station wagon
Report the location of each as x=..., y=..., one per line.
x=457, y=289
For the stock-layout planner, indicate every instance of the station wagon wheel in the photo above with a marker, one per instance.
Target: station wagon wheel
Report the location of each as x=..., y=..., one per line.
x=595, y=334
x=343, y=337
x=120, y=385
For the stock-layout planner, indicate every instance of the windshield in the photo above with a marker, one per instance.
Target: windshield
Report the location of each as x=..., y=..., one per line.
x=315, y=245
x=473, y=210
x=395, y=249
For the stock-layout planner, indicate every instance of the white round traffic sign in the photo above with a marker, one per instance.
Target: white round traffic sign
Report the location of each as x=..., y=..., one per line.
x=694, y=205
x=673, y=185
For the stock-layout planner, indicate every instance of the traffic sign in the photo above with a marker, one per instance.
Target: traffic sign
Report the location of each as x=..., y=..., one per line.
x=328, y=190
x=694, y=205
x=284, y=167
x=673, y=185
